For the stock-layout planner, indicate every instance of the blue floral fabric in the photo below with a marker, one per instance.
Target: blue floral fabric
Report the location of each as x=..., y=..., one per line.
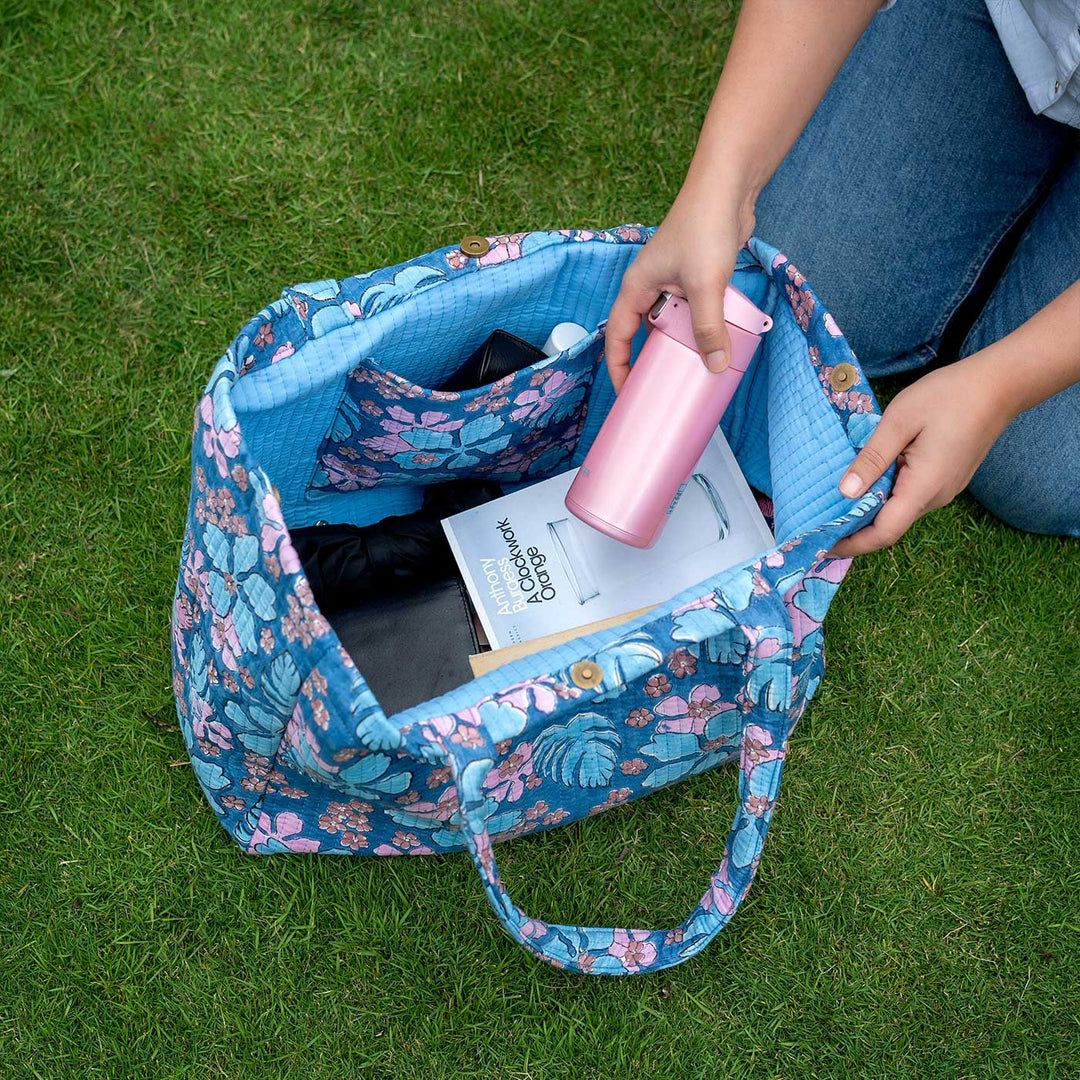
x=390, y=431
x=294, y=753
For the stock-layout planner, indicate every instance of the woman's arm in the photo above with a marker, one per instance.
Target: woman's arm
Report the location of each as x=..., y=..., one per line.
x=942, y=426
x=745, y=136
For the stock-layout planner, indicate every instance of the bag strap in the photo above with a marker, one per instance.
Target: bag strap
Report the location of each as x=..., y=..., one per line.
x=617, y=951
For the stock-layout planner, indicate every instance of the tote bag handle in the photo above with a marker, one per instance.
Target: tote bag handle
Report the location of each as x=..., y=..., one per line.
x=618, y=951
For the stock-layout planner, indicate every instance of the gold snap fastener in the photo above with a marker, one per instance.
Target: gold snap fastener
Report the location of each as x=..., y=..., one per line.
x=843, y=376
x=586, y=674
x=475, y=246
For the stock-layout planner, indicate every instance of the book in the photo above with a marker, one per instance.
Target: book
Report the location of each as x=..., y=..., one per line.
x=483, y=662
x=532, y=569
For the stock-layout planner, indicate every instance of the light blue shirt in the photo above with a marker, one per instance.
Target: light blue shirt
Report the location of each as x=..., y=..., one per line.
x=1042, y=41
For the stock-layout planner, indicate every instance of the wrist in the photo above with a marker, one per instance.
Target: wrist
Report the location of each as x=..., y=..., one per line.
x=722, y=172
x=1001, y=379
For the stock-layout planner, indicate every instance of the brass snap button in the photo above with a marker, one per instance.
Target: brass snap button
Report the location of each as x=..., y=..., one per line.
x=843, y=377
x=586, y=674
x=475, y=246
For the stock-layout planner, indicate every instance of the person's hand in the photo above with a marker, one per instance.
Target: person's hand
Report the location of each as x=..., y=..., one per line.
x=938, y=430
x=692, y=254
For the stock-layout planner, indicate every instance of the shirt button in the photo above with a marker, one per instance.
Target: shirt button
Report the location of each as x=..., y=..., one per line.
x=475, y=246
x=1057, y=85
x=586, y=674
x=843, y=376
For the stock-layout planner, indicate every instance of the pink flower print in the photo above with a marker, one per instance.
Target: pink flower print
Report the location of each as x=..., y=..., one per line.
x=556, y=816
x=265, y=336
x=282, y=832
x=350, y=820
x=225, y=640
x=774, y=560
x=439, y=777
x=585, y=961
x=507, y=780
x=400, y=420
x=682, y=663
x=757, y=805
x=638, y=717
x=674, y=937
x=533, y=928
x=614, y=798
x=240, y=476
x=218, y=445
x=541, y=397
x=633, y=948
x=233, y=802
x=282, y=352
x=757, y=747
x=802, y=303
x=690, y=717
x=467, y=736
x=761, y=586
x=503, y=248
x=349, y=475
x=577, y=234
x=633, y=234
x=657, y=685
x=718, y=899
x=830, y=325
x=815, y=356
x=353, y=308
x=778, y=260
x=542, y=694
x=457, y=259
x=796, y=278
x=633, y=767
x=404, y=840
x=708, y=602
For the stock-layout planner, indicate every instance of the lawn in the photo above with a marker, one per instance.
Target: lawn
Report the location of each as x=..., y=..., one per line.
x=166, y=169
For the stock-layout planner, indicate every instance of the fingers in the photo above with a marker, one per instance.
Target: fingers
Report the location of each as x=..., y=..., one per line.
x=706, y=299
x=901, y=510
x=624, y=320
x=910, y=496
x=883, y=447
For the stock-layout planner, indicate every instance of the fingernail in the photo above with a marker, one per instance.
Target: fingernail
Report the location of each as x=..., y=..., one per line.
x=851, y=485
x=717, y=361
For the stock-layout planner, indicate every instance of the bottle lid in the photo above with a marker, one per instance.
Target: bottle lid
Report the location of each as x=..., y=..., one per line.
x=741, y=311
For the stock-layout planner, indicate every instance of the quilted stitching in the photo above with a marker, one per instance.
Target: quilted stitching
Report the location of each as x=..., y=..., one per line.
x=290, y=746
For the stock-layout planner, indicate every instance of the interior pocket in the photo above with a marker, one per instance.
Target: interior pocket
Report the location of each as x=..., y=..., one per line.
x=387, y=430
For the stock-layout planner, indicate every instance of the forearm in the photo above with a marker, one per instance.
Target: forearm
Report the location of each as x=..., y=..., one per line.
x=747, y=132
x=1038, y=359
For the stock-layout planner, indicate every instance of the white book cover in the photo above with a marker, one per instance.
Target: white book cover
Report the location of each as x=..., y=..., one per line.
x=533, y=569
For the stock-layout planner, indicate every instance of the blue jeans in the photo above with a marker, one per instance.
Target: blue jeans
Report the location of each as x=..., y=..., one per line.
x=934, y=213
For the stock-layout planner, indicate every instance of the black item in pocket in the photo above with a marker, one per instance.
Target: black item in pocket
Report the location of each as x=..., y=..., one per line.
x=348, y=564
x=411, y=645
x=502, y=354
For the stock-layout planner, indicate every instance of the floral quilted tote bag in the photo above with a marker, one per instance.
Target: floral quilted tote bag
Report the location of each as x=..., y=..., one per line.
x=322, y=409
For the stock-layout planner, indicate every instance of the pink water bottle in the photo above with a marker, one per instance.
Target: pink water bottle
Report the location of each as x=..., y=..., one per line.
x=662, y=420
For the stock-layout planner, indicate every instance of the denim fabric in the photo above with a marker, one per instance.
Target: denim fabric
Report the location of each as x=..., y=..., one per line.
x=904, y=199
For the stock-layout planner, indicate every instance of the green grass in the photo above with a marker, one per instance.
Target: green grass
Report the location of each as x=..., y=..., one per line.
x=166, y=168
